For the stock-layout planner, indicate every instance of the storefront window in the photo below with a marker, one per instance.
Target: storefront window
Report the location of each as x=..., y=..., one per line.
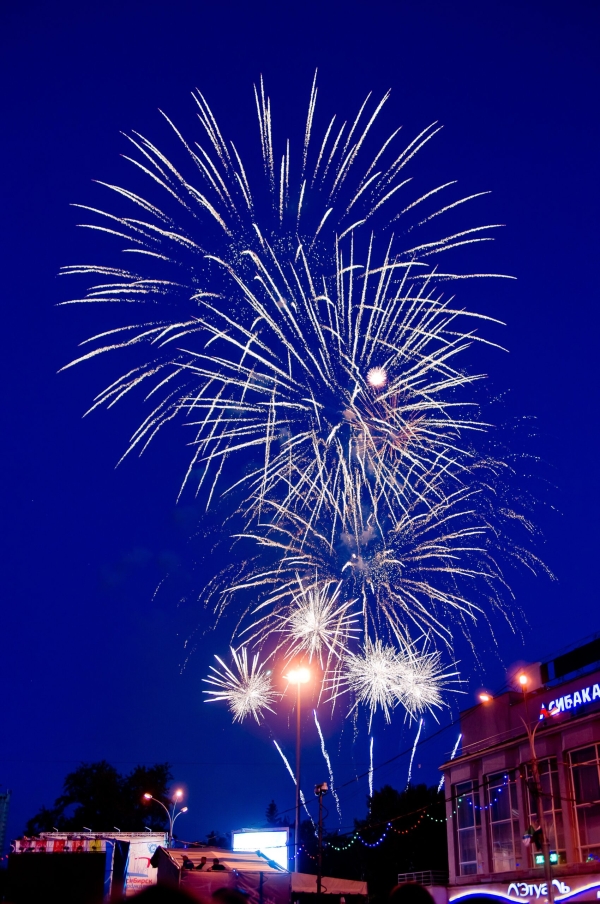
x=468, y=826
x=585, y=769
x=551, y=806
x=504, y=822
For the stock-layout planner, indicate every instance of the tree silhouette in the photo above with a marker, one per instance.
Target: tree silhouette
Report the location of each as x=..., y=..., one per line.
x=96, y=795
x=416, y=842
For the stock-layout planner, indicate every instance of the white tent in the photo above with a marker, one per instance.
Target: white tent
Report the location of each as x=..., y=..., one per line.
x=259, y=879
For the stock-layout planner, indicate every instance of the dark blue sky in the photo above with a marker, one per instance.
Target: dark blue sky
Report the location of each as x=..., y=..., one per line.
x=90, y=658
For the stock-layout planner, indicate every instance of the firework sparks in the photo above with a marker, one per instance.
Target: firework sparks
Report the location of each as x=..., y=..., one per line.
x=452, y=755
x=315, y=621
x=247, y=693
x=371, y=768
x=377, y=377
x=382, y=677
x=318, y=620
x=438, y=565
x=292, y=339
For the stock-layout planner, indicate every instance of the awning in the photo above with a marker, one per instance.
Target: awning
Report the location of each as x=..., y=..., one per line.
x=305, y=882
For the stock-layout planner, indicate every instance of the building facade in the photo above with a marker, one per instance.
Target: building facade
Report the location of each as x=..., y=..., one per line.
x=492, y=791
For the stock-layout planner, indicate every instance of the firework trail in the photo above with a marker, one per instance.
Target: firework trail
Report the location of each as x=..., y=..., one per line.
x=371, y=768
x=452, y=755
x=289, y=769
x=412, y=756
x=329, y=767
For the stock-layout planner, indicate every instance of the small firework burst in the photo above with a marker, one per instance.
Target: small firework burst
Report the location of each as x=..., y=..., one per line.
x=318, y=621
x=372, y=677
x=421, y=678
x=248, y=692
x=383, y=677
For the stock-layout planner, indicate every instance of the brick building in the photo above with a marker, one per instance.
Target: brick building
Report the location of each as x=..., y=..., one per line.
x=492, y=801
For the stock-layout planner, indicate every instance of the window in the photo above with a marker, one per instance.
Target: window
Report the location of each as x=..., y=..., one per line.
x=468, y=826
x=551, y=806
x=503, y=811
x=585, y=769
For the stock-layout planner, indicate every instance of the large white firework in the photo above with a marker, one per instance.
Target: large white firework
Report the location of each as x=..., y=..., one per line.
x=248, y=691
x=295, y=320
x=296, y=337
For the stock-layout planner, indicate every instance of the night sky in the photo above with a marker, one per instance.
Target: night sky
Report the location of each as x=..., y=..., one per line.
x=91, y=658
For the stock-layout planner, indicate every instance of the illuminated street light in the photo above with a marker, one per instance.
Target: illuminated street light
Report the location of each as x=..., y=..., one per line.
x=171, y=814
x=485, y=698
x=297, y=676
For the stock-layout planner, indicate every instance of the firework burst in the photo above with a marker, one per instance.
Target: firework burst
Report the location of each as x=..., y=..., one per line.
x=299, y=329
x=315, y=621
x=422, y=678
x=302, y=342
x=372, y=677
x=247, y=693
x=383, y=677
x=438, y=566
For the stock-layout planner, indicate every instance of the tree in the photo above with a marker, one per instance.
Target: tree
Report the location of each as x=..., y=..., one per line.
x=98, y=796
x=416, y=841
x=273, y=818
x=271, y=814
x=217, y=839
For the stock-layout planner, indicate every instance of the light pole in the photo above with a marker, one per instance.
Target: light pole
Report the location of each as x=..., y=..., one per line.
x=524, y=681
x=298, y=676
x=320, y=790
x=171, y=814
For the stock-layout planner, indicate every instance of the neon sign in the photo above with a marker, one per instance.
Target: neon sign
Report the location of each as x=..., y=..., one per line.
x=529, y=889
x=571, y=701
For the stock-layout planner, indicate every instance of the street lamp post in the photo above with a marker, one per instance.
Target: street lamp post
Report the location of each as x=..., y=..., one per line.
x=298, y=676
x=171, y=814
x=320, y=790
x=523, y=681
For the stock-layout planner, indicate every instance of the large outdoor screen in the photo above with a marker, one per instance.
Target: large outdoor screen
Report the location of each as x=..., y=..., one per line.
x=271, y=843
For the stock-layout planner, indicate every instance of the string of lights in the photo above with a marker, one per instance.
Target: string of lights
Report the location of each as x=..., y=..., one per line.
x=389, y=828
x=491, y=803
